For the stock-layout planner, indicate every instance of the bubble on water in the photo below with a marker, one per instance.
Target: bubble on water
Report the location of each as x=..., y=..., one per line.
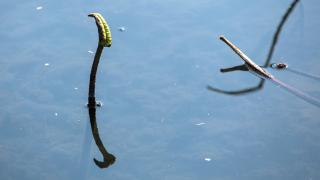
x=209, y=114
x=55, y=114
x=91, y=52
x=75, y=88
x=122, y=29
x=99, y=103
x=46, y=64
x=207, y=159
x=39, y=8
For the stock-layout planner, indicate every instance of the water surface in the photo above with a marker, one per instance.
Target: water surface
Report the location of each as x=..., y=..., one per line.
x=158, y=118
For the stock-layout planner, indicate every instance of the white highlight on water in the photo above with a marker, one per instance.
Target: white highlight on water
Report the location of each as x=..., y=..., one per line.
x=200, y=124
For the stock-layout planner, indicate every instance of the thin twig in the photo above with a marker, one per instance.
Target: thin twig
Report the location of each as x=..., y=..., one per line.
x=250, y=64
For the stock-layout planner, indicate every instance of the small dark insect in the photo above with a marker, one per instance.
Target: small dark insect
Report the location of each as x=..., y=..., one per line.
x=279, y=65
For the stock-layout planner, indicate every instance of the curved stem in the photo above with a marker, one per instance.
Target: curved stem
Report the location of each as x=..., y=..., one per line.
x=92, y=83
x=104, y=40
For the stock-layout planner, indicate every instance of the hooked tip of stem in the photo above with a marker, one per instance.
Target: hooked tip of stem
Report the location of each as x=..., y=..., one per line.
x=105, y=38
x=91, y=15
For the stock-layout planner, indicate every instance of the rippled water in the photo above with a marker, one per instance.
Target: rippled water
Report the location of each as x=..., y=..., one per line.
x=158, y=118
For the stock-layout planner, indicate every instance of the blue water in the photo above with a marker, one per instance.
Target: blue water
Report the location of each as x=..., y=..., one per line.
x=158, y=117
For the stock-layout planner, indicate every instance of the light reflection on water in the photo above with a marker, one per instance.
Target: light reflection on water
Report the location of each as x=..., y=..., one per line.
x=153, y=85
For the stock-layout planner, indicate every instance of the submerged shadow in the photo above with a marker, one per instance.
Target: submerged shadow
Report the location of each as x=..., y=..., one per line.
x=108, y=158
x=243, y=67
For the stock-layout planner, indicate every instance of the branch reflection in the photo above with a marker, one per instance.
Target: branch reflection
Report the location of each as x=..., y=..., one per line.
x=108, y=159
x=239, y=92
x=278, y=31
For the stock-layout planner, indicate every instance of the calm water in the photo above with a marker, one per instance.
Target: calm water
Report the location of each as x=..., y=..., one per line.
x=158, y=118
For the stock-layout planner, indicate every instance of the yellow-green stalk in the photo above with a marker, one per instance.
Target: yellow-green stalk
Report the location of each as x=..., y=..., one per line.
x=105, y=40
